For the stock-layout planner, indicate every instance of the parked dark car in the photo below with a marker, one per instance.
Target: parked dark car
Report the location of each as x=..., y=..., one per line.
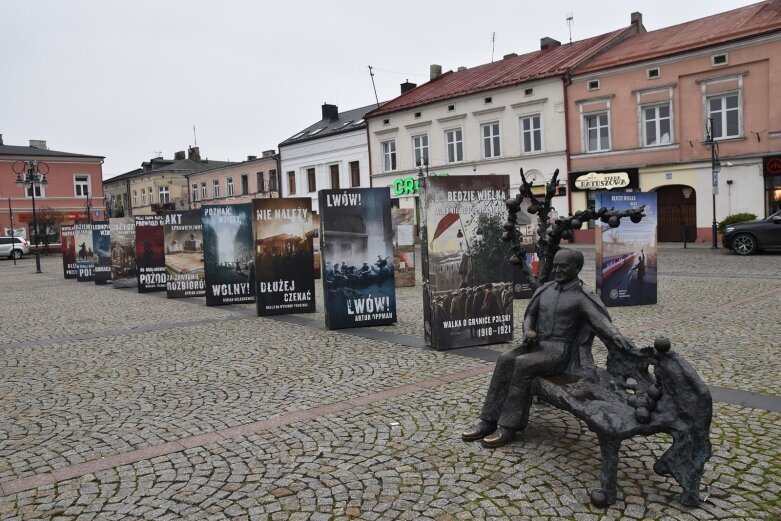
x=751, y=236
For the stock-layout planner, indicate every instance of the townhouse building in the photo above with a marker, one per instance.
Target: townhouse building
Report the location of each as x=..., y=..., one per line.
x=494, y=118
x=255, y=178
x=331, y=153
x=666, y=109
x=163, y=185
x=72, y=192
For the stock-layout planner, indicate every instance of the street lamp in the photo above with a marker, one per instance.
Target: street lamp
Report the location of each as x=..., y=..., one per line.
x=715, y=169
x=88, y=204
x=31, y=173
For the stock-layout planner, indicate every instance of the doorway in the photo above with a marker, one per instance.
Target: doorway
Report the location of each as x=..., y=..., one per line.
x=677, y=211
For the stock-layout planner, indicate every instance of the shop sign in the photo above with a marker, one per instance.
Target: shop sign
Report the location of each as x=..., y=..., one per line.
x=408, y=185
x=606, y=181
x=772, y=165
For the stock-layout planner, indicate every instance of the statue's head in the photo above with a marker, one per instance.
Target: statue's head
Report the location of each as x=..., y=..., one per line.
x=566, y=265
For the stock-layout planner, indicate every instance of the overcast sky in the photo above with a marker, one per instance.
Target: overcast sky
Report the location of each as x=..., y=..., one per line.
x=129, y=79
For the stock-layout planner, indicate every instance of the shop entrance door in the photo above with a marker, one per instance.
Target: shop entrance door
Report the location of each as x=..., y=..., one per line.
x=676, y=213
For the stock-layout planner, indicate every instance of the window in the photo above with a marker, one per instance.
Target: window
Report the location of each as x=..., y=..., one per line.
x=355, y=174
x=388, y=156
x=195, y=192
x=528, y=92
x=420, y=149
x=215, y=188
x=454, y=141
x=593, y=85
x=451, y=108
x=151, y=196
x=164, y=195
x=244, y=184
x=81, y=185
x=386, y=121
x=724, y=111
x=203, y=190
x=597, y=132
x=334, y=176
x=531, y=134
x=291, y=183
x=417, y=115
x=229, y=186
x=719, y=59
x=491, y=139
x=38, y=190
x=272, y=180
x=489, y=99
x=261, y=182
x=652, y=73
x=657, y=128
x=143, y=197
x=311, y=179
x=135, y=198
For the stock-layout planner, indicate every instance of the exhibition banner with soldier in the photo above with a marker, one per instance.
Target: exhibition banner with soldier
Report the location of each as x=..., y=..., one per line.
x=229, y=261
x=85, y=256
x=527, y=229
x=283, y=256
x=185, y=276
x=101, y=243
x=123, y=252
x=356, y=245
x=626, y=255
x=467, y=278
x=150, y=255
x=68, y=246
x=403, y=220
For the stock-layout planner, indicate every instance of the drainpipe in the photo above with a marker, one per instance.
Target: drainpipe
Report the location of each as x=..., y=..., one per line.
x=566, y=81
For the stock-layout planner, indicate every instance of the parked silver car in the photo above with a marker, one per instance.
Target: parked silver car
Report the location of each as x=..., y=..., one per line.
x=13, y=247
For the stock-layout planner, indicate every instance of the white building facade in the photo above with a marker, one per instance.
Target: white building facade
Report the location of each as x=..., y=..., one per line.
x=333, y=153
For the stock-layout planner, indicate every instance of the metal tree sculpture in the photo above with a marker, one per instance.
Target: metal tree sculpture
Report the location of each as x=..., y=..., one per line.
x=551, y=232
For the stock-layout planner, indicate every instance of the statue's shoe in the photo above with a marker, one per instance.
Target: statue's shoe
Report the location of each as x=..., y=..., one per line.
x=500, y=438
x=480, y=431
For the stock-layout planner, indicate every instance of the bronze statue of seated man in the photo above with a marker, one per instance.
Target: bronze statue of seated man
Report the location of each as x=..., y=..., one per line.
x=560, y=316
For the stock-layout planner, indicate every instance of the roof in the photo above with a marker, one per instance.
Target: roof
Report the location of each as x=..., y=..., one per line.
x=347, y=121
x=188, y=166
x=503, y=73
x=750, y=21
x=125, y=176
x=11, y=150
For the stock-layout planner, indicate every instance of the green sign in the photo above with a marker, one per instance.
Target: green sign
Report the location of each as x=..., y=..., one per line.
x=408, y=185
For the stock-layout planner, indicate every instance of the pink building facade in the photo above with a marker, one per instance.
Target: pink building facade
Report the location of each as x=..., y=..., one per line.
x=654, y=105
x=73, y=187
x=236, y=184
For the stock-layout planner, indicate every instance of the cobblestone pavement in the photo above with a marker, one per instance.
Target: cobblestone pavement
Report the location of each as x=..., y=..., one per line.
x=119, y=405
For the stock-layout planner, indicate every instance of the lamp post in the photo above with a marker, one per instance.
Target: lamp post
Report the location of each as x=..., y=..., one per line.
x=88, y=205
x=715, y=169
x=30, y=173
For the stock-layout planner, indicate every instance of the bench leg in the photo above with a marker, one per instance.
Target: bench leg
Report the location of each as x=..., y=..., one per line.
x=609, y=447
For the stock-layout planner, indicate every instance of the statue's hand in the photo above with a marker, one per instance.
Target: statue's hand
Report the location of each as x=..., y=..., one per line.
x=625, y=344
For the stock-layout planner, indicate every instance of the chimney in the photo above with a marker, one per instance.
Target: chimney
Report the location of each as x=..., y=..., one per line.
x=462, y=68
x=548, y=43
x=38, y=143
x=194, y=153
x=179, y=155
x=251, y=158
x=1, y=139
x=435, y=71
x=637, y=19
x=511, y=55
x=269, y=153
x=405, y=87
x=330, y=112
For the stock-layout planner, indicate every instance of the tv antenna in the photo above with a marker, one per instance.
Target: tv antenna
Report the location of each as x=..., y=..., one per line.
x=570, y=21
x=195, y=137
x=371, y=73
x=493, y=42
